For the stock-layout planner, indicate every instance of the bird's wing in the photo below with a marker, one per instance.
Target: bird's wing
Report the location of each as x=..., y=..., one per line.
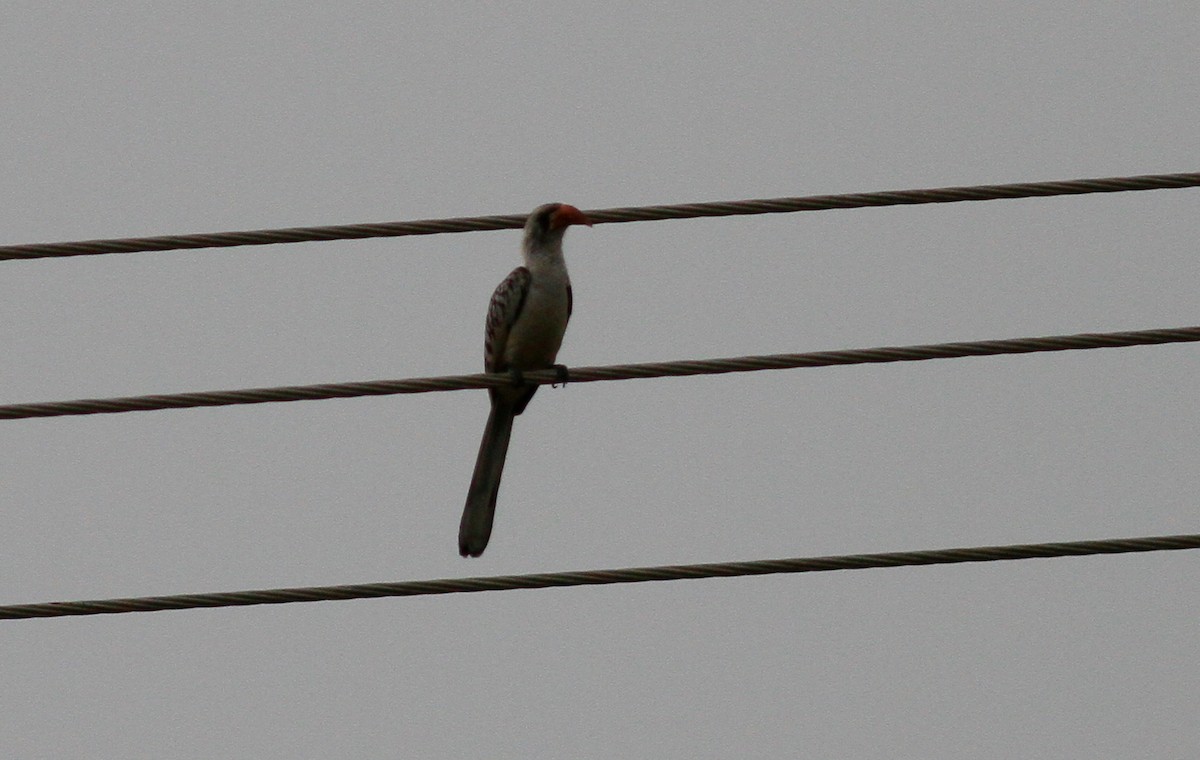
x=505, y=308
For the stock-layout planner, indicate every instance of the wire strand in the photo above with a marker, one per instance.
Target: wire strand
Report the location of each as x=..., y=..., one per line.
x=599, y=577
x=606, y=216
x=597, y=374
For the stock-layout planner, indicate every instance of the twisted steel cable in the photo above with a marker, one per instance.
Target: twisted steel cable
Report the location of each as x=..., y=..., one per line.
x=606, y=216
x=600, y=577
x=597, y=374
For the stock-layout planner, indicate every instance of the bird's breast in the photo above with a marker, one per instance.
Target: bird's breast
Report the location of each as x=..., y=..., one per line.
x=535, y=338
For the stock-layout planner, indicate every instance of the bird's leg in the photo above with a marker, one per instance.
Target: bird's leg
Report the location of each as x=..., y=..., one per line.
x=518, y=377
x=561, y=375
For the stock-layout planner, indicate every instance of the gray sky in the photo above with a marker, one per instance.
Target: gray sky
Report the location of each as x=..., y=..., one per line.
x=163, y=118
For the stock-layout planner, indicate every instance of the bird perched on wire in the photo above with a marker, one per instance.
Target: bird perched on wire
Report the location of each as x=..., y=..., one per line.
x=526, y=320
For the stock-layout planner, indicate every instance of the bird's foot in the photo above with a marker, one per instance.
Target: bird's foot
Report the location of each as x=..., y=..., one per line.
x=561, y=375
x=518, y=378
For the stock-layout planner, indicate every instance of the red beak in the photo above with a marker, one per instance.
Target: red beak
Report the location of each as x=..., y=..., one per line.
x=568, y=215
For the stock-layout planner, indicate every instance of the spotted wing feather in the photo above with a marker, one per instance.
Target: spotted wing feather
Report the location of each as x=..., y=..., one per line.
x=505, y=308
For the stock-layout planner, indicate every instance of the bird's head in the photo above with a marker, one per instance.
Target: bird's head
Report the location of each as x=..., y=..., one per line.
x=547, y=223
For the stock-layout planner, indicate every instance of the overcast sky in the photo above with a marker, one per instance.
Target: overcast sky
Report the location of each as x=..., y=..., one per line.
x=126, y=119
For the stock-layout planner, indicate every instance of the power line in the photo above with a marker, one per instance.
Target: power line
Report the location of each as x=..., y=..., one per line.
x=599, y=577
x=596, y=374
x=604, y=216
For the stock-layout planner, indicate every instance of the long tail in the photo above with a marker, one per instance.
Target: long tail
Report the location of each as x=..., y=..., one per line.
x=476, y=525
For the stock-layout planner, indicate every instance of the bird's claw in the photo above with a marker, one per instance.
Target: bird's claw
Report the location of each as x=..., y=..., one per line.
x=518, y=378
x=561, y=376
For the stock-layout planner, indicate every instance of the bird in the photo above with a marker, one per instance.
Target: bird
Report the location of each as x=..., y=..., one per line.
x=526, y=320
